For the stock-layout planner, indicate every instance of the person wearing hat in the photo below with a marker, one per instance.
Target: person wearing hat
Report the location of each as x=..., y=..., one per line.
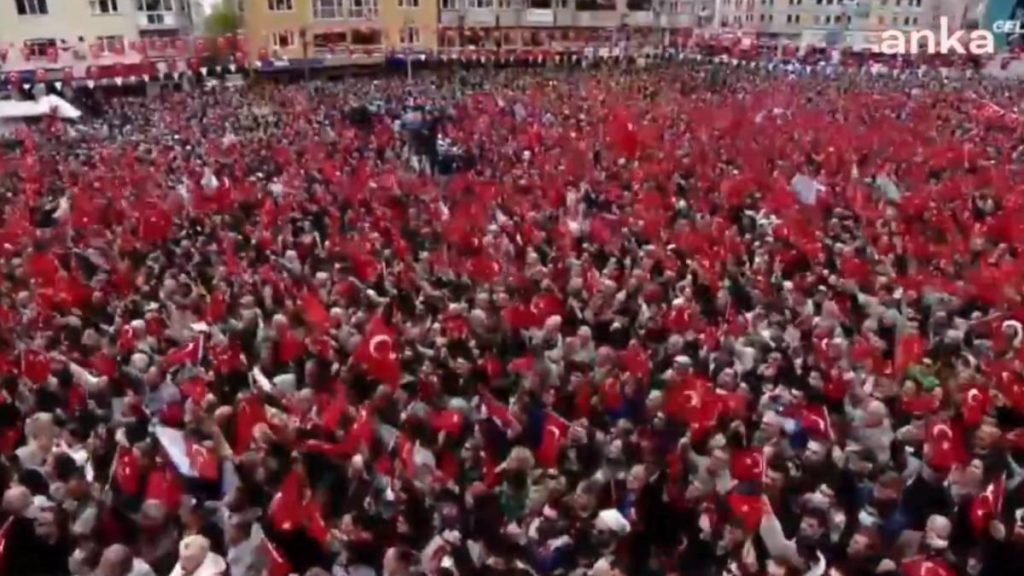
x=196, y=559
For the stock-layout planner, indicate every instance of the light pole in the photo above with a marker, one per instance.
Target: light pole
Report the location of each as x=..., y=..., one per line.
x=407, y=24
x=304, y=38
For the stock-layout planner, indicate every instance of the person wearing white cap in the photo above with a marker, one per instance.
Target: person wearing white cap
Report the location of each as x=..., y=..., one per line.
x=195, y=559
x=41, y=433
x=611, y=520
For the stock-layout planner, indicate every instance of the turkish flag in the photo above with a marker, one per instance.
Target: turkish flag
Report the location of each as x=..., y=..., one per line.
x=975, y=405
x=922, y=566
x=315, y=313
x=499, y=412
x=277, y=564
x=748, y=509
x=336, y=409
x=203, y=461
x=35, y=366
x=251, y=412
x=520, y=317
x=127, y=476
x=909, y=351
x=622, y=132
x=42, y=267
x=194, y=389
x=5, y=533
x=289, y=347
x=449, y=422
x=361, y=433
x=988, y=505
x=190, y=353
x=155, y=225
x=634, y=360
x=316, y=526
x=747, y=465
x=552, y=438
x=546, y=305
x=286, y=510
x=377, y=352
x=164, y=486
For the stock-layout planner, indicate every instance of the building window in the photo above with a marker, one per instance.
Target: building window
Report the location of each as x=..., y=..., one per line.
x=328, y=9
x=280, y=5
x=480, y=3
x=155, y=5
x=361, y=9
x=329, y=41
x=282, y=39
x=796, y=19
x=31, y=7
x=410, y=36
x=895, y=20
x=39, y=47
x=449, y=4
x=103, y=6
x=914, y=21
x=408, y=3
x=110, y=44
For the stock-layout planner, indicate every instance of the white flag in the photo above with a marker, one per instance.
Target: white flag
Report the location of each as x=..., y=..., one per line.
x=806, y=188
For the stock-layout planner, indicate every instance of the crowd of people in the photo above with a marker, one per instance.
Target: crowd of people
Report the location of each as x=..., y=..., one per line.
x=685, y=319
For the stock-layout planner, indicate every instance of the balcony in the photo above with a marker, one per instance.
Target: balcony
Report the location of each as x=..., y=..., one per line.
x=479, y=16
x=643, y=18
x=161, y=20
x=597, y=18
x=538, y=17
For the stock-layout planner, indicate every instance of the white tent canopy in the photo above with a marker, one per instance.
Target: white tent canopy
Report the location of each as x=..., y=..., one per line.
x=44, y=106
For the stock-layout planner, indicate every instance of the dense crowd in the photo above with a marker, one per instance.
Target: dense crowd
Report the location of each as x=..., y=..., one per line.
x=688, y=319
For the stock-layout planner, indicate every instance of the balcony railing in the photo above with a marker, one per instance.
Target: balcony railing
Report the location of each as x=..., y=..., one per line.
x=150, y=20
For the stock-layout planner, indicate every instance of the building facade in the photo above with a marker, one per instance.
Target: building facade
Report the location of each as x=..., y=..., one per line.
x=336, y=31
x=852, y=23
x=60, y=35
x=560, y=23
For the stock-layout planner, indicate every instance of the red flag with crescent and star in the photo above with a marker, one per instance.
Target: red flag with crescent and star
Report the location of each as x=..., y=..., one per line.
x=378, y=352
x=555, y=431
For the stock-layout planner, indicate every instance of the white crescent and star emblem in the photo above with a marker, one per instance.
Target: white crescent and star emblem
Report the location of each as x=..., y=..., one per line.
x=946, y=432
x=758, y=460
x=817, y=420
x=380, y=346
x=692, y=399
x=557, y=433
x=535, y=306
x=973, y=396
